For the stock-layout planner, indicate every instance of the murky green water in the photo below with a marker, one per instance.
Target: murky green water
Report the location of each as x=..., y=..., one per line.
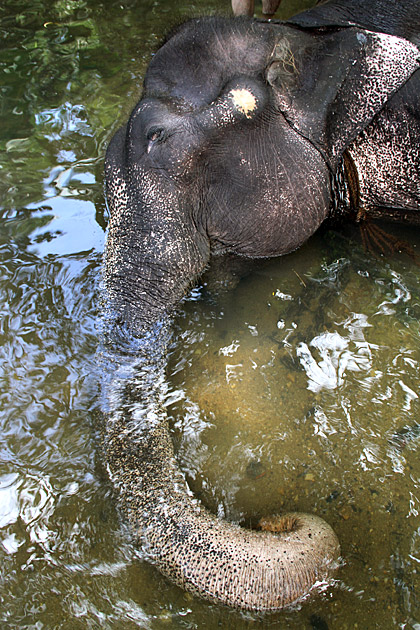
x=298, y=389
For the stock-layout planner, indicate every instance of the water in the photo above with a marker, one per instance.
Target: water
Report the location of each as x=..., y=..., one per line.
x=295, y=389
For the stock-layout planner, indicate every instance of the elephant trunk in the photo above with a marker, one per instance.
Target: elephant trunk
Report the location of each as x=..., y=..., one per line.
x=217, y=560
x=155, y=248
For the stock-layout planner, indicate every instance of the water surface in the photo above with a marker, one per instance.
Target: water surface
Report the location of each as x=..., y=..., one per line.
x=295, y=389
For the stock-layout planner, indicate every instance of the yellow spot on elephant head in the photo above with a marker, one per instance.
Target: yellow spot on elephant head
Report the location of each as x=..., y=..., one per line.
x=244, y=101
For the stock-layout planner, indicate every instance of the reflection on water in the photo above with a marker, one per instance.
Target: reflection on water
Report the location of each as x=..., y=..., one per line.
x=298, y=389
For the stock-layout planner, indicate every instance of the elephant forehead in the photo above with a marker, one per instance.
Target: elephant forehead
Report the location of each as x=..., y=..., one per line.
x=204, y=54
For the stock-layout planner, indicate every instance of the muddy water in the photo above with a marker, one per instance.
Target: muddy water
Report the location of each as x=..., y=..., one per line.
x=296, y=388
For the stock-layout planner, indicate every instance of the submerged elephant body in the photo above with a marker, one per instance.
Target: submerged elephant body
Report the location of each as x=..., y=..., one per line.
x=247, y=137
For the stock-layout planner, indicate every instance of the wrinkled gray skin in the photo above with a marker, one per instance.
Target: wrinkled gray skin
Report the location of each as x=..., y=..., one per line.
x=237, y=146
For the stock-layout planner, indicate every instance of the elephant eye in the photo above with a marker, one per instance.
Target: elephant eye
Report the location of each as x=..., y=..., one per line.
x=153, y=136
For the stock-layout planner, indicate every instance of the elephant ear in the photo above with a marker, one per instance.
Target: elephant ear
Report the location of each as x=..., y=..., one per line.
x=400, y=18
x=329, y=84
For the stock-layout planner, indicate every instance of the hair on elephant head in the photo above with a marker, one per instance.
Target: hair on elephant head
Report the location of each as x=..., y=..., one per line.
x=237, y=146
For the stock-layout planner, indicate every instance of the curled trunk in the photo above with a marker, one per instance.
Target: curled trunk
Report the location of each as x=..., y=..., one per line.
x=220, y=561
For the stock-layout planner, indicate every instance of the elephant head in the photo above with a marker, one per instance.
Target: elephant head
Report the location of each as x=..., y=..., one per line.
x=233, y=148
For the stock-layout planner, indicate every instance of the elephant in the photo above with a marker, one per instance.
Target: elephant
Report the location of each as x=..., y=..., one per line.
x=249, y=135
